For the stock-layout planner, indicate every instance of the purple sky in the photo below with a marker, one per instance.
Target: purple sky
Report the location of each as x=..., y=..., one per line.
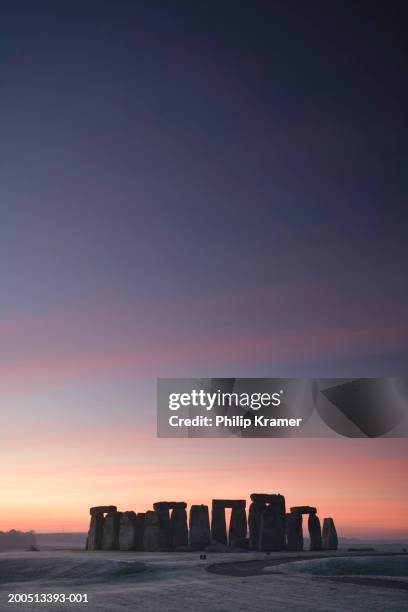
x=196, y=189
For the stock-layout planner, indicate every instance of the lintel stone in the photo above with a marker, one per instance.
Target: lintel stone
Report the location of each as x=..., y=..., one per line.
x=171, y=505
x=304, y=509
x=229, y=503
x=102, y=509
x=265, y=498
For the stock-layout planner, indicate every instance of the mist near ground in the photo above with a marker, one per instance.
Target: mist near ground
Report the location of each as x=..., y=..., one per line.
x=77, y=541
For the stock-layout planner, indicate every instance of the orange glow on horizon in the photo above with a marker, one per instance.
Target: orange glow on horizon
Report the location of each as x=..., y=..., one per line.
x=366, y=496
x=58, y=461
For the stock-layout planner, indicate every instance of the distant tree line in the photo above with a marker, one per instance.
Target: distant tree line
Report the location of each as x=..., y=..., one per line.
x=17, y=540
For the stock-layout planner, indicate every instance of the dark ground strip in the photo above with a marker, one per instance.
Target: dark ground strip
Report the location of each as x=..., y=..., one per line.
x=256, y=567
x=387, y=583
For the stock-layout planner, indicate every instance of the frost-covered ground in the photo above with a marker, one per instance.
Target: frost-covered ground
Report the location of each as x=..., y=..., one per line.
x=390, y=566
x=174, y=582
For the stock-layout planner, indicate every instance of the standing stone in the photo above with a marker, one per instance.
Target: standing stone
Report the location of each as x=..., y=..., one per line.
x=164, y=526
x=151, y=532
x=238, y=527
x=254, y=523
x=315, y=532
x=272, y=529
x=140, y=524
x=294, y=531
x=94, y=541
x=163, y=510
x=199, y=527
x=179, y=530
x=111, y=525
x=329, y=537
x=127, y=531
x=280, y=505
x=218, y=526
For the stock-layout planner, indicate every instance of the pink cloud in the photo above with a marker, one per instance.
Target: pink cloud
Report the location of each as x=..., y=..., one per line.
x=182, y=357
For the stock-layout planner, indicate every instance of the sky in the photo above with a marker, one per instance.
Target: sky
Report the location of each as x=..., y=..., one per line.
x=196, y=189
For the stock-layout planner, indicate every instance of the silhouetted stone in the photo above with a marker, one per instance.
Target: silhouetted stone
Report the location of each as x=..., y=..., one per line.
x=168, y=531
x=218, y=526
x=127, y=531
x=237, y=527
x=294, y=531
x=164, y=527
x=110, y=536
x=199, y=527
x=140, y=523
x=102, y=509
x=240, y=544
x=95, y=533
x=272, y=526
x=279, y=502
x=254, y=523
x=304, y=509
x=265, y=498
x=329, y=536
x=315, y=532
x=228, y=503
x=172, y=505
x=151, y=532
x=179, y=530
